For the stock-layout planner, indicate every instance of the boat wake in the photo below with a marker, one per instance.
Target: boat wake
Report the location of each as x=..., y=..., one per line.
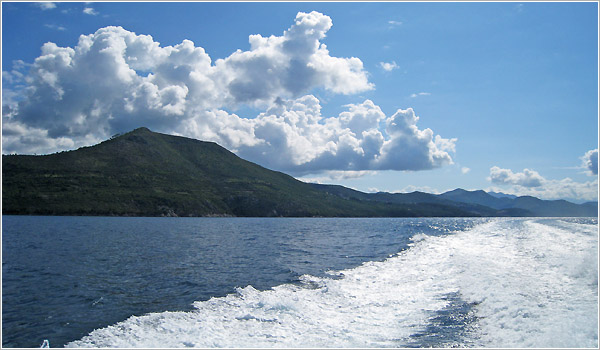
x=504, y=283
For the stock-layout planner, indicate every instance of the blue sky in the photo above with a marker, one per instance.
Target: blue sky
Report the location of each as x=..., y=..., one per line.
x=506, y=94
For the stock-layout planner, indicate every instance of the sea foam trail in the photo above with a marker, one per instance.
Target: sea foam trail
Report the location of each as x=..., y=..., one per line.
x=535, y=282
x=506, y=283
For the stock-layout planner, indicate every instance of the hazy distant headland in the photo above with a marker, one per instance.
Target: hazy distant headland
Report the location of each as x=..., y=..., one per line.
x=143, y=173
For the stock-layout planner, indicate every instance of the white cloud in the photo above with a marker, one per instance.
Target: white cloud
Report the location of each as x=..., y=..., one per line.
x=420, y=94
x=393, y=23
x=348, y=174
x=566, y=188
x=33, y=140
x=590, y=161
x=55, y=27
x=12, y=77
x=330, y=176
x=409, y=148
x=13, y=84
x=388, y=66
x=293, y=136
x=178, y=89
x=527, y=178
x=465, y=170
x=90, y=11
x=531, y=183
x=46, y=5
x=289, y=65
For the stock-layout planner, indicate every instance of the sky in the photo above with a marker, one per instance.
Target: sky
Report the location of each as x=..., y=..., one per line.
x=389, y=96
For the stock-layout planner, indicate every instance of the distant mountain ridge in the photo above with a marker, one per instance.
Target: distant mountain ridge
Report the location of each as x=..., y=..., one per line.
x=143, y=173
x=502, y=195
x=536, y=206
x=478, y=202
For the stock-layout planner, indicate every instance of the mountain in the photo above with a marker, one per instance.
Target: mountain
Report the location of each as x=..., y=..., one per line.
x=555, y=207
x=477, y=209
x=477, y=197
x=479, y=203
x=143, y=173
x=502, y=195
x=535, y=206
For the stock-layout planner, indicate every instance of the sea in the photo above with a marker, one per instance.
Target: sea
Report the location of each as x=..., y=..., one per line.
x=299, y=282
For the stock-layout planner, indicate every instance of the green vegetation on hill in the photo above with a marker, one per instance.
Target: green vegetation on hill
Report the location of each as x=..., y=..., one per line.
x=143, y=173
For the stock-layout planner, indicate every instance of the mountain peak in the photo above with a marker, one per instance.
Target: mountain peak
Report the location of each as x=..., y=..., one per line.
x=140, y=130
x=147, y=173
x=455, y=191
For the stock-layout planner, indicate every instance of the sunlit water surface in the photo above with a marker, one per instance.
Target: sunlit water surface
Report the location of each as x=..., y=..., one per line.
x=234, y=282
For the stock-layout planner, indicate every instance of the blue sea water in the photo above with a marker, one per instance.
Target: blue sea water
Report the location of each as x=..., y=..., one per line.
x=299, y=282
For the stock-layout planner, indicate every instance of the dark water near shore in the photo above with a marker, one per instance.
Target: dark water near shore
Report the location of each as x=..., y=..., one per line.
x=63, y=277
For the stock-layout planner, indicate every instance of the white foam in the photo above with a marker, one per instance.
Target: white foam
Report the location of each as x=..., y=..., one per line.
x=534, y=285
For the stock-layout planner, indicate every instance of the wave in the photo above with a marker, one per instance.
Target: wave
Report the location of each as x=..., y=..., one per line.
x=505, y=283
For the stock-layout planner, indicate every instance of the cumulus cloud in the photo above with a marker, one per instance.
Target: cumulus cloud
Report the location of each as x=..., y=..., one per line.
x=289, y=65
x=293, y=136
x=590, y=161
x=388, y=66
x=409, y=148
x=465, y=170
x=529, y=182
x=115, y=80
x=527, y=178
